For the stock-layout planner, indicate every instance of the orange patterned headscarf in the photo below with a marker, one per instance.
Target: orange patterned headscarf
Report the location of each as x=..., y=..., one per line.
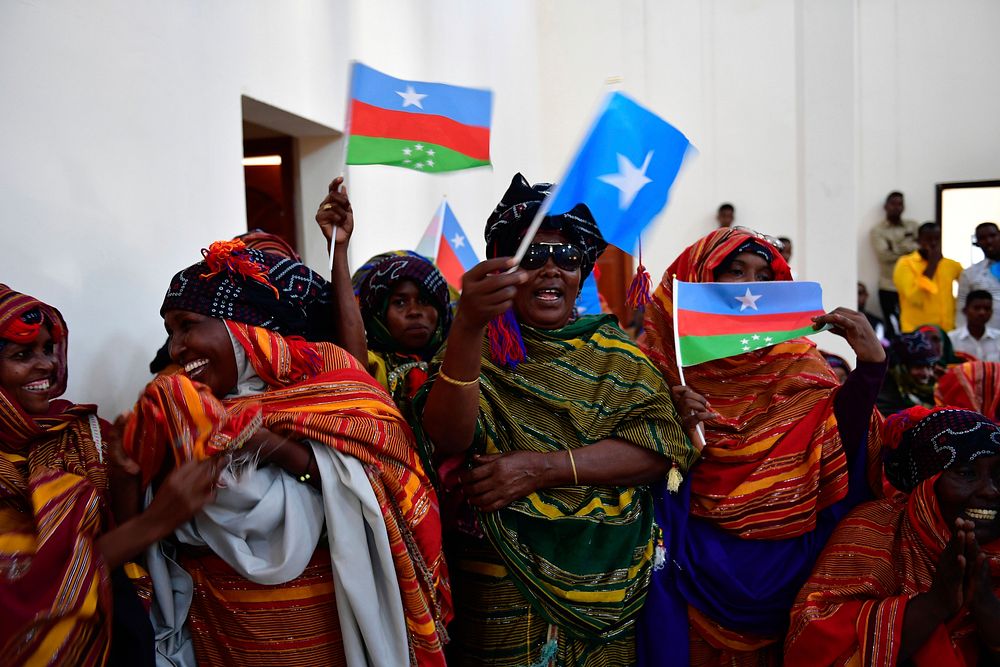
x=774, y=458
x=974, y=385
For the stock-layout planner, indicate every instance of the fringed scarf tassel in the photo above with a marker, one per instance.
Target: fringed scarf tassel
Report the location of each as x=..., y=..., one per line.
x=674, y=478
x=506, y=344
x=638, y=294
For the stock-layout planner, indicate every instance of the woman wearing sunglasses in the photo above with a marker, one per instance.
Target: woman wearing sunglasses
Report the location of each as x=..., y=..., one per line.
x=786, y=451
x=553, y=567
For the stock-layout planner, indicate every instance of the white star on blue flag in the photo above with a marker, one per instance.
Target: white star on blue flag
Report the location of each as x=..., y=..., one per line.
x=624, y=170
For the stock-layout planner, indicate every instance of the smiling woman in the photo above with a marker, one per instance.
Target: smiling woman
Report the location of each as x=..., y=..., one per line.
x=65, y=597
x=322, y=458
x=555, y=544
x=914, y=576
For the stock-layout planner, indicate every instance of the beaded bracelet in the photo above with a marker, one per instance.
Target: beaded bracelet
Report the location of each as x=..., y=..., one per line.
x=458, y=383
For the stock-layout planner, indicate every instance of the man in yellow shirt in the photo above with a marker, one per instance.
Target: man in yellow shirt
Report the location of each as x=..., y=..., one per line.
x=925, y=282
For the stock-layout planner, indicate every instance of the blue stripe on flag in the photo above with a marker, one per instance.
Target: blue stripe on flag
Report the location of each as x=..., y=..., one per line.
x=456, y=238
x=469, y=106
x=785, y=296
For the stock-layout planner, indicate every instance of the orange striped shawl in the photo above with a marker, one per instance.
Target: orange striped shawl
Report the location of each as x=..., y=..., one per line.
x=342, y=406
x=974, y=385
x=774, y=459
x=885, y=552
x=54, y=588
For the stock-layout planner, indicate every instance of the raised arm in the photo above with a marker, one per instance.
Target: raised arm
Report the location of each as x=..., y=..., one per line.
x=452, y=406
x=335, y=215
x=855, y=401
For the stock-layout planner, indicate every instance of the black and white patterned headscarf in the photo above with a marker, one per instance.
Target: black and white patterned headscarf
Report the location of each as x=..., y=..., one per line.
x=922, y=442
x=260, y=288
x=513, y=215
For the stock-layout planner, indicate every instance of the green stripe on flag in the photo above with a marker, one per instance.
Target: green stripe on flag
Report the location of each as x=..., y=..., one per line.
x=699, y=349
x=415, y=155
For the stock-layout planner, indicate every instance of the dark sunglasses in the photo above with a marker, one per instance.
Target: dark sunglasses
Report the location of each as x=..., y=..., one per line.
x=567, y=256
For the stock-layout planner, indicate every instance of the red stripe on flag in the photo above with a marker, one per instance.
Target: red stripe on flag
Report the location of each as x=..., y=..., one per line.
x=448, y=264
x=372, y=121
x=693, y=323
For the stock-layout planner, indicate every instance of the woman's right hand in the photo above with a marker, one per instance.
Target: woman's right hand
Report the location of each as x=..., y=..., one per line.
x=692, y=407
x=487, y=291
x=186, y=490
x=335, y=215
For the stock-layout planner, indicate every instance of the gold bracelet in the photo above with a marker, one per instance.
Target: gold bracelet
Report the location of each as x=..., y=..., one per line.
x=458, y=383
x=576, y=481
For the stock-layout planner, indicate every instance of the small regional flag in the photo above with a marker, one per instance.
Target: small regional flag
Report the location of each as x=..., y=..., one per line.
x=415, y=124
x=446, y=243
x=623, y=171
x=718, y=320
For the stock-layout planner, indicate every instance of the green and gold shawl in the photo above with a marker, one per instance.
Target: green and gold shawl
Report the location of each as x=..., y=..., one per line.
x=580, y=555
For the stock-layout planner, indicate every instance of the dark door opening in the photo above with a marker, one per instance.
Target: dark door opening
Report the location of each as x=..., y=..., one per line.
x=269, y=176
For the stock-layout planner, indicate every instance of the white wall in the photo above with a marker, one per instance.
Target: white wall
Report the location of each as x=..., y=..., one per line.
x=122, y=147
x=122, y=128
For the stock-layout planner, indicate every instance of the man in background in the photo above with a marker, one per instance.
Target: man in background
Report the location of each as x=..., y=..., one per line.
x=873, y=320
x=976, y=337
x=892, y=238
x=924, y=281
x=725, y=215
x=984, y=275
x=786, y=248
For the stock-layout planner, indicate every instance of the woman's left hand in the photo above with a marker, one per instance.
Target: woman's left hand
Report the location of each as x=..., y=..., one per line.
x=497, y=480
x=854, y=327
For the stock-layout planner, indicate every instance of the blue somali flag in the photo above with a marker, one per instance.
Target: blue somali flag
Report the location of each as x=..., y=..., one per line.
x=624, y=170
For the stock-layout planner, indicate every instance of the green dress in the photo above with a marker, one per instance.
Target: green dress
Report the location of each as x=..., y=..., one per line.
x=559, y=577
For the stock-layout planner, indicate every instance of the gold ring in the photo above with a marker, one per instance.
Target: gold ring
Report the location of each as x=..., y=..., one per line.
x=326, y=207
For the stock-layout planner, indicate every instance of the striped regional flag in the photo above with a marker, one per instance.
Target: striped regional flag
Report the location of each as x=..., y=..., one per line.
x=418, y=125
x=718, y=320
x=446, y=244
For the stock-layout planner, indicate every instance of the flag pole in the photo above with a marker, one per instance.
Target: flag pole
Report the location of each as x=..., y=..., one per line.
x=699, y=429
x=439, y=233
x=343, y=158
